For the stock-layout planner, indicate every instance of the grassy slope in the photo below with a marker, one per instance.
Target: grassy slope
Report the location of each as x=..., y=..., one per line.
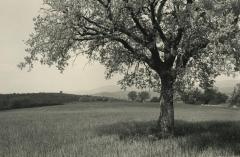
x=29, y=100
x=117, y=129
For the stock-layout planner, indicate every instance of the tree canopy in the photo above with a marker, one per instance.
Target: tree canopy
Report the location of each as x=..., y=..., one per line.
x=139, y=38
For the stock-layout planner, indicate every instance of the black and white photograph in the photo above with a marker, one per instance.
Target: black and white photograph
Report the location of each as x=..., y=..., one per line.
x=119, y=78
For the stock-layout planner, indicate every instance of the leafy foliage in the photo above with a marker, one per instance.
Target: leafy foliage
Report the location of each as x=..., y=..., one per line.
x=143, y=96
x=193, y=96
x=141, y=39
x=132, y=95
x=212, y=96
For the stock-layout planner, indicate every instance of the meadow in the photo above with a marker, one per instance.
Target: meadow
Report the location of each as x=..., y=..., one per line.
x=118, y=129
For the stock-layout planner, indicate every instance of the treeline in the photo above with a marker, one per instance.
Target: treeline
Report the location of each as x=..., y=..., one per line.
x=211, y=96
x=143, y=96
x=195, y=96
x=14, y=101
x=138, y=96
x=208, y=96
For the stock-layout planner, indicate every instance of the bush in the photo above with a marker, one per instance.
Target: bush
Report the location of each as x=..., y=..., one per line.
x=219, y=98
x=212, y=96
x=193, y=96
x=143, y=96
x=209, y=96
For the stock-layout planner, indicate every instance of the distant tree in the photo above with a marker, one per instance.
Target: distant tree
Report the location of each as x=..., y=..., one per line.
x=219, y=98
x=235, y=98
x=143, y=96
x=150, y=42
x=192, y=96
x=213, y=96
x=209, y=96
x=132, y=95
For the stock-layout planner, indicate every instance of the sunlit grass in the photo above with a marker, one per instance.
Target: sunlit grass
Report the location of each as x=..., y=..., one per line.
x=117, y=130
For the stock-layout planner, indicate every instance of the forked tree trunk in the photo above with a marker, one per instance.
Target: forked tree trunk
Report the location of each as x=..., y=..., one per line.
x=166, y=118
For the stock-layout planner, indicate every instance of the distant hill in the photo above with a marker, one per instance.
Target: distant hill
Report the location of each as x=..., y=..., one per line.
x=110, y=88
x=13, y=101
x=116, y=94
x=112, y=91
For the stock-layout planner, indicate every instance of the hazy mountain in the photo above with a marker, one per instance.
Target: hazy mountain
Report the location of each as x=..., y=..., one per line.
x=122, y=94
x=117, y=94
x=110, y=89
x=113, y=91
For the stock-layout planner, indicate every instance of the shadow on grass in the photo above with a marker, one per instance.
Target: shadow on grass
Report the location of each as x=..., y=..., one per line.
x=197, y=135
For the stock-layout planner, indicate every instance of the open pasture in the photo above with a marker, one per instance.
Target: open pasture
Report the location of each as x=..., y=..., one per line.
x=117, y=129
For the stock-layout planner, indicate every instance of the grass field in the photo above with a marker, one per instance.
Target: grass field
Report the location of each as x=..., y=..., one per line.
x=118, y=129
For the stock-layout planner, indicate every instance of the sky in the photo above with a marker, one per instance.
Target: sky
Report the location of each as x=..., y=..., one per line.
x=15, y=26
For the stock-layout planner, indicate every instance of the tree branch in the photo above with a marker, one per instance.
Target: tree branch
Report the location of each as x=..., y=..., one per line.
x=137, y=21
x=131, y=49
x=179, y=36
x=190, y=53
x=156, y=24
x=160, y=10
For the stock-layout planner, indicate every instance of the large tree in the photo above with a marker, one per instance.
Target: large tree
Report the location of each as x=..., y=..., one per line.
x=150, y=42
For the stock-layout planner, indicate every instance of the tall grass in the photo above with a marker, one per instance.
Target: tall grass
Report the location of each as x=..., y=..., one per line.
x=117, y=130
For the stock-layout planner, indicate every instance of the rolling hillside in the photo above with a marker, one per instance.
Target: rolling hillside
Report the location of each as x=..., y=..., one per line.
x=13, y=101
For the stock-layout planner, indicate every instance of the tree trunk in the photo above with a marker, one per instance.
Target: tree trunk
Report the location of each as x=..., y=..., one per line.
x=166, y=118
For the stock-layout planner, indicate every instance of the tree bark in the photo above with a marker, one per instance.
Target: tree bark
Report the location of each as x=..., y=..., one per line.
x=166, y=118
